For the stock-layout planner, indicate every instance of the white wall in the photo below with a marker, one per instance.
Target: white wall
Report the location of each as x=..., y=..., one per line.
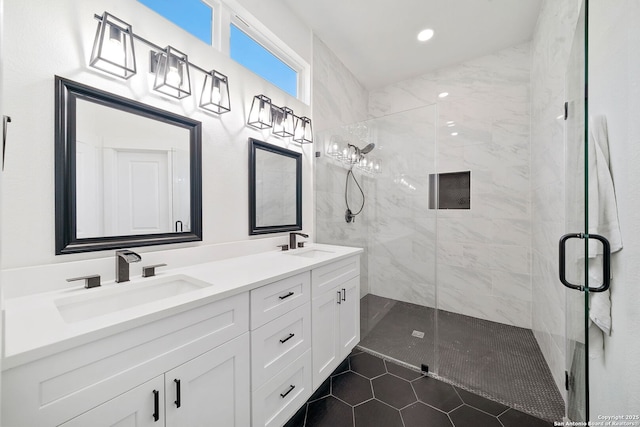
x=43, y=39
x=614, y=90
x=551, y=46
x=482, y=253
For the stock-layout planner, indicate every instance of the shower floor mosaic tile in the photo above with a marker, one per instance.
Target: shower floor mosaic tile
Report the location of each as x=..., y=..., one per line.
x=367, y=391
x=500, y=362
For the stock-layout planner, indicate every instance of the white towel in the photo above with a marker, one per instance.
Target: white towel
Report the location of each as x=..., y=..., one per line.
x=603, y=218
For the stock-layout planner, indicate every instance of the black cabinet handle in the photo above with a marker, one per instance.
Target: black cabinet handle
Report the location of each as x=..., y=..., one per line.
x=291, y=387
x=286, y=296
x=5, y=120
x=339, y=297
x=344, y=294
x=177, y=401
x=156, y=405
x=606, y=261
x=287, y=338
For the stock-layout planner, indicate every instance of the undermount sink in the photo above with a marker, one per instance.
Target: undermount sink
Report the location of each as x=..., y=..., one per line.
x=103, y=301
x=309, y=253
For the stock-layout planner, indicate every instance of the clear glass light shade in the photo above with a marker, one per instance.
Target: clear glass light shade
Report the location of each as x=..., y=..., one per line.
x=215, y=93
x=113, y=48
x=375, y=165
x=260, y=115
x=283, y=121
x=365, y=165
x=303, y=132
x=172, y=73
x=334, y=147
x=351, y=155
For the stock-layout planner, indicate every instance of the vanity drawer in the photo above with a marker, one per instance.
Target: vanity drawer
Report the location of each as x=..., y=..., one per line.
x=275, y=299
x=278, y=343
x=276, y=401
x=327, y=277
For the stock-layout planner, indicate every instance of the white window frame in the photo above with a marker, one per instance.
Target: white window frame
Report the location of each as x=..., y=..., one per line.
x=227, y=12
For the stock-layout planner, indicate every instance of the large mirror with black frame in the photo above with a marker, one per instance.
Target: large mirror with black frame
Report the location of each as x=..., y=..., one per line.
x=275, y=188
x=126, y=174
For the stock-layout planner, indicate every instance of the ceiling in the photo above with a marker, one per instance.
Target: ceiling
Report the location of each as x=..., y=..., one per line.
x=376, y=39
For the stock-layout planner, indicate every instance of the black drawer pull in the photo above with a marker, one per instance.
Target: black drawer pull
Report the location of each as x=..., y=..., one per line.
x=339, y=297
x=344, y=294
x=287, y=338
x=177, y=401
x=156, y=405
x=286, y=296
x=291, y=387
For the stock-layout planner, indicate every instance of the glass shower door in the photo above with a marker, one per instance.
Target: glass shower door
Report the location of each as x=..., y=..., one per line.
x=576, y=261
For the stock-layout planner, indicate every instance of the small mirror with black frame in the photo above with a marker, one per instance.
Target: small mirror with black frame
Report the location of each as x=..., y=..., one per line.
x=126, y=174
x=275, y=189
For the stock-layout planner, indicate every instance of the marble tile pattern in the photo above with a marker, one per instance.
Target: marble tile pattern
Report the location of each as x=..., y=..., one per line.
x=483, y=254
x=551, y=46
x=338, y=99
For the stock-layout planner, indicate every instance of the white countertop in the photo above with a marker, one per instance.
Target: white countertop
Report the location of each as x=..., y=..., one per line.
x=34, y=327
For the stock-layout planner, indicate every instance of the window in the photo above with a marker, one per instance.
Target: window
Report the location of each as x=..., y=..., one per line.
x=251, y=54
x=193, y=16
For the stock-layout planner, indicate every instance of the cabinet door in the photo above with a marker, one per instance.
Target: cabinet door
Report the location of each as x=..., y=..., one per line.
x=212, y=389
x=349, y=316
x=135, y=408
x=325, y=315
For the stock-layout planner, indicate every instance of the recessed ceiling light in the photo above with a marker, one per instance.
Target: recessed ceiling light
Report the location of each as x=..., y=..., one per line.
x=451, y=124
x=454, y=133
x=443, y=95
x=425, y=35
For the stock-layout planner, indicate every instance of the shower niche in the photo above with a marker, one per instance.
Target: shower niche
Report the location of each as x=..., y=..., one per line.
x=450, y=190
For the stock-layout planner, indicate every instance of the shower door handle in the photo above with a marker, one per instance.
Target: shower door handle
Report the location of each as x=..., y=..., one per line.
x=606, y=261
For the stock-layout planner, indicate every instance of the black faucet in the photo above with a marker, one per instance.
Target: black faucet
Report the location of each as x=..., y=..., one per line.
x=292, y=239
x=123, y=259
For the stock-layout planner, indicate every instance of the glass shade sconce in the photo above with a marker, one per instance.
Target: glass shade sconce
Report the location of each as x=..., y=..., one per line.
x=113, y=53
x=303, y=132
x=171, y=68
x=215, y=93
x=351, y=155
x=283, y=121
x=113, y=47
x=261, y=114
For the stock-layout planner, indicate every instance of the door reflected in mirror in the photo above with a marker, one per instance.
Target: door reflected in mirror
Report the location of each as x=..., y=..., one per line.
x=132, y=174
x=275, y=189
x=127, y=174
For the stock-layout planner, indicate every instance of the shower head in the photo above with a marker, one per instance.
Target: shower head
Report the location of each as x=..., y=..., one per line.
x=368, y=148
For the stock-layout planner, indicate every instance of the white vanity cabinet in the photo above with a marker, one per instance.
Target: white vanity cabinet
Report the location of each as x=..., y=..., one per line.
x=111, y=381
x=213, y=386
x=335, y=310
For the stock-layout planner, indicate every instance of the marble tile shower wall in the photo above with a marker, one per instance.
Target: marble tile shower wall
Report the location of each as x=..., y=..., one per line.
x=551, y=46
x=402, y=228
x=338, y=99
x=483, y=254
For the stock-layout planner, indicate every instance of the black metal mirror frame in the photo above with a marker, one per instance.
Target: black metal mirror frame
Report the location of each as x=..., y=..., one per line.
x=254, y=229
x=67, y=92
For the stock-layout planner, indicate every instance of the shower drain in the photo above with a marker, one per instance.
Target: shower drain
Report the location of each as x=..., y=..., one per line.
x=417, y=334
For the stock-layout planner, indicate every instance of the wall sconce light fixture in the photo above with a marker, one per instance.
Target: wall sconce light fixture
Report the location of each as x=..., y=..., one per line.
x=113, y=47
x=264, y=114
x=303, y=132
x=215, y=93
x=113, y=53
x=261, y=114
x=172, y=72
x=283, y=121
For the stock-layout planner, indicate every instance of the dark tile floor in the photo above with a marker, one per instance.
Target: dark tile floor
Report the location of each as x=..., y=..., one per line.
x=367, y=391
x=498, y=361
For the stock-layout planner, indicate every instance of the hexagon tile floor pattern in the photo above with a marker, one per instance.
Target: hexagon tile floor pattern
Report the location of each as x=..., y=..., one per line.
x=367, y=391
